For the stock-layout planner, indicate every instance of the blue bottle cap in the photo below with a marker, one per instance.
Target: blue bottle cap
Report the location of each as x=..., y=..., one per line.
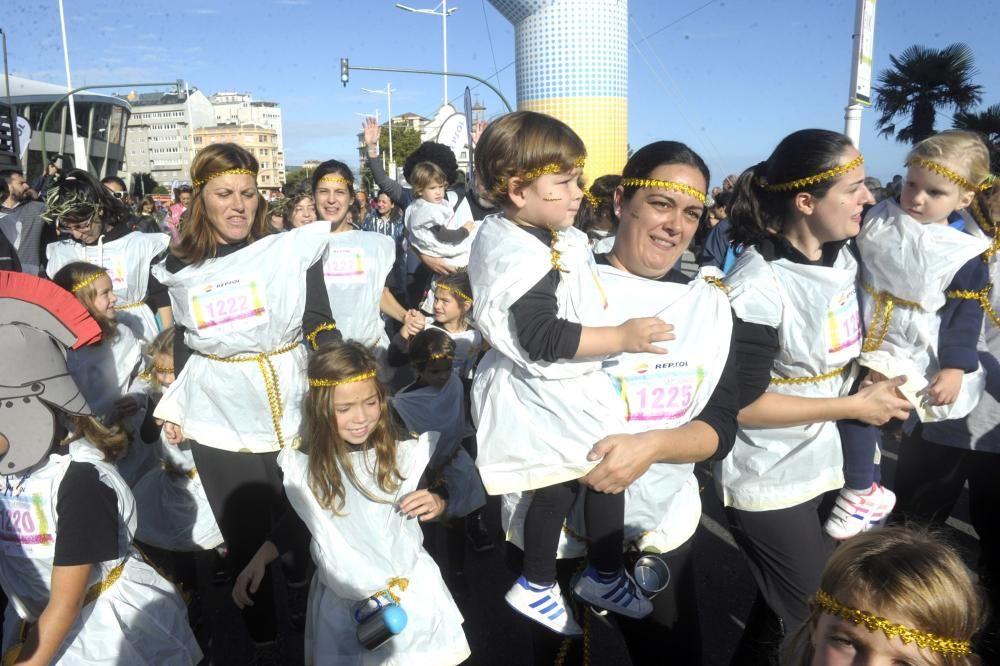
x=394, y=618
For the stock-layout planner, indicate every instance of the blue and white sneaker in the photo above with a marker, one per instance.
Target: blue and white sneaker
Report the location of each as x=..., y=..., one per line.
x=616, y=592
x=544, y=605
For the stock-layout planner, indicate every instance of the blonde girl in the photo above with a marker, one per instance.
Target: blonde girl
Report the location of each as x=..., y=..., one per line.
x=896, y=596
x=353, y=487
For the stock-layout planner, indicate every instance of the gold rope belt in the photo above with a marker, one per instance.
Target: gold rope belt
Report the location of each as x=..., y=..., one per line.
x=811, y=379
x=95, y=590
x=270, y=375
x=885, y=303
x=982, y=296
x=176, y=473
x=130, y=306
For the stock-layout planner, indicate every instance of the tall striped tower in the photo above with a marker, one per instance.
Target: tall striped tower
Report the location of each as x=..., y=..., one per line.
x=572, y=63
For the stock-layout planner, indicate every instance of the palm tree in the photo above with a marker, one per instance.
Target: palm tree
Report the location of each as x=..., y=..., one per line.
x=987, y=124
x=921, y=81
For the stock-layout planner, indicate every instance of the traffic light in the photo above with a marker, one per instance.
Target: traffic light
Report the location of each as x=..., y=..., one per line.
x=345, y=71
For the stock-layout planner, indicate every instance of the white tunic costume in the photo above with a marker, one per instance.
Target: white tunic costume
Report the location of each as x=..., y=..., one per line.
x=815, y=310
x=912, y=265
x=242, y=388
x=663, y=506
x=358, y=553
x=536, y=421
x=468, y=345
x=127, y=261
x=430, y=409
x=139, y=618
x=174, y=513
x=422, y=215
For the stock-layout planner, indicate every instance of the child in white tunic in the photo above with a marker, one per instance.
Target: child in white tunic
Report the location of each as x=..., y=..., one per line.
x=921, y=279
x=108, y=373
x=432, y=226
x=540, y=400
x=353, y=488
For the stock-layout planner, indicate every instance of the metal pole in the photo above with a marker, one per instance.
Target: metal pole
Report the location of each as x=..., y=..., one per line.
x=6, y=75
x=861, y=68
x=69, y=86
x=428, y=71
x=444, y=39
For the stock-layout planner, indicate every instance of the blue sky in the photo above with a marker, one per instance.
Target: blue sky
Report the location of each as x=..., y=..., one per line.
x=728, y=77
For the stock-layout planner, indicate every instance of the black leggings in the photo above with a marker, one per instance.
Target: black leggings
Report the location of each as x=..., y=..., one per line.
x=247, y=498
x=604, y=516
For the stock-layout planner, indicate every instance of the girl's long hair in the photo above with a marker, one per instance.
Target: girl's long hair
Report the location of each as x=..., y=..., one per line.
x=111, y=440
x=329, y=455
x=75, y=272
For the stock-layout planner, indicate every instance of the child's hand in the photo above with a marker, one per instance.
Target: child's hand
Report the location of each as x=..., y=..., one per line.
x=413, y=323
x=469, y=226
x=638, y=335
x=423, y=504
x=253, y=573
x=943, y=390
x=173, y=432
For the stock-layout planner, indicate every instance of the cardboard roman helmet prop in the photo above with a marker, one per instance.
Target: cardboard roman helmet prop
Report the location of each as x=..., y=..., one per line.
x=39, y=321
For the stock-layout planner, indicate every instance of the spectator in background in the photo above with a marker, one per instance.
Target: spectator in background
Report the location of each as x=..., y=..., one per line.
x=53, y=172
x=386, y=218
x=361, y=197
x=21, y=222
x=182, y=198
x=116, y=186
x=8, y=255
x=147, y=213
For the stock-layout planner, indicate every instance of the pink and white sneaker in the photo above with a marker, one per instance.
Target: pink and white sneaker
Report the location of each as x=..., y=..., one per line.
x=854, y=513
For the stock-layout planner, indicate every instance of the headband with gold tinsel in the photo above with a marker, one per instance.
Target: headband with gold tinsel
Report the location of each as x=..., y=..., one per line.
x=923, y=639
x=591, y=198
x=818, y=178
x=666, y=185
x=454, y=290
x=553, y=167
x=87, y=281
x=945, y=172
x=326, y=383
x=334, y=178
x=227, y=172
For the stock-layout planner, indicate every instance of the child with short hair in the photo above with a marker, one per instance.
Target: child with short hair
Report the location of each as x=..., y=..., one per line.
x=900, y=595
x=431, y=224
x=922, y=281
x=540, y=400
x=353, y=487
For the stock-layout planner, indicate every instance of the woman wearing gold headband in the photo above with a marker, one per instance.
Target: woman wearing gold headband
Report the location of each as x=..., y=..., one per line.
x=895, y=596
x=357, y=266
x=794, y=286
x=96, y=225
x=245, y=300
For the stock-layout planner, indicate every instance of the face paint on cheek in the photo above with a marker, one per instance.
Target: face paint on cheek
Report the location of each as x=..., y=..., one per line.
x=551, y=198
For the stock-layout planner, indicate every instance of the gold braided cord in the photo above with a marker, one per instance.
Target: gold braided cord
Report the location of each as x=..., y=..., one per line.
x=715, y=282
x=885, y=303
x=956, y=178
x=555, y=255
x=173, y=471
x=162, y=370
x=87, y=281
x=438, y=357
x=325, y=326
x=923, y=639
x=783, y=381
x=396, y=581
x=818, y=178
x=454, y=290
x=334, y=178
x=666, y=185
x=982, y=296
x=102, y=586
x=328, y=383
x=227, y=172
x=591, y=198
x=553, y=167
x=130, y=306
x=270, y=375
x=987, y=227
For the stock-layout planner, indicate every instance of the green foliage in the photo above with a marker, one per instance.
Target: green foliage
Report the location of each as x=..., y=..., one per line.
x=987, y=124
x=405, y=140
x=296, y=179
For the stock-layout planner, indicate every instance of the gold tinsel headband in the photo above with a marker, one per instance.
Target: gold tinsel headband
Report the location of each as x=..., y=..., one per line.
x=553, y=167
x=325, y=383
x=454, y=291
x=945, y=172
x=665, y=185
x=87, y=281
x=227, y=172
x=591, y=198
x=333, y=178
x=818, y=178
x=923, y=639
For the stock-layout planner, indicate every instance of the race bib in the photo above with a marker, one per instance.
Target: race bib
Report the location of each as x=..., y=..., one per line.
x=660, y=394
x=227, y=306
x=117, y=270
x=345, y=265
x=843, y=323
x=24, y=527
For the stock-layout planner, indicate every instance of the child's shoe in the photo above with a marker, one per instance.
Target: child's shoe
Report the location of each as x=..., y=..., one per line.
x=615, y=592
x=545, y=605
x=854, y=513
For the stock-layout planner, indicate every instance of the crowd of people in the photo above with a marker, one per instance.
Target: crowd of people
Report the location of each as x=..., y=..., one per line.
x=313, y=398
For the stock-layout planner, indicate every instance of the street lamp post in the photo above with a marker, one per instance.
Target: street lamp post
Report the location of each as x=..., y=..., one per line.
x=444, y=14
x=388, y=100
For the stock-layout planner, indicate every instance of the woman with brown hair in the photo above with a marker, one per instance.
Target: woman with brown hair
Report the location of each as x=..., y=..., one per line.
x=246, y=300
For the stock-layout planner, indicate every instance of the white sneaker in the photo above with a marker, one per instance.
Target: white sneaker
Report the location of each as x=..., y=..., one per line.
x=854, y=513
x=621, y=595
x=544, y=605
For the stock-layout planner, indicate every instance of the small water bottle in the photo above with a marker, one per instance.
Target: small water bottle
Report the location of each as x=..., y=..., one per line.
x=381, y=626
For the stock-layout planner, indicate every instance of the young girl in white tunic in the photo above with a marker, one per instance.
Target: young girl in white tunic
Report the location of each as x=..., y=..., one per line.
x=540, y=400
x=108, y=372
x=95, y=222
x=353, y=488
x=921, y=277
